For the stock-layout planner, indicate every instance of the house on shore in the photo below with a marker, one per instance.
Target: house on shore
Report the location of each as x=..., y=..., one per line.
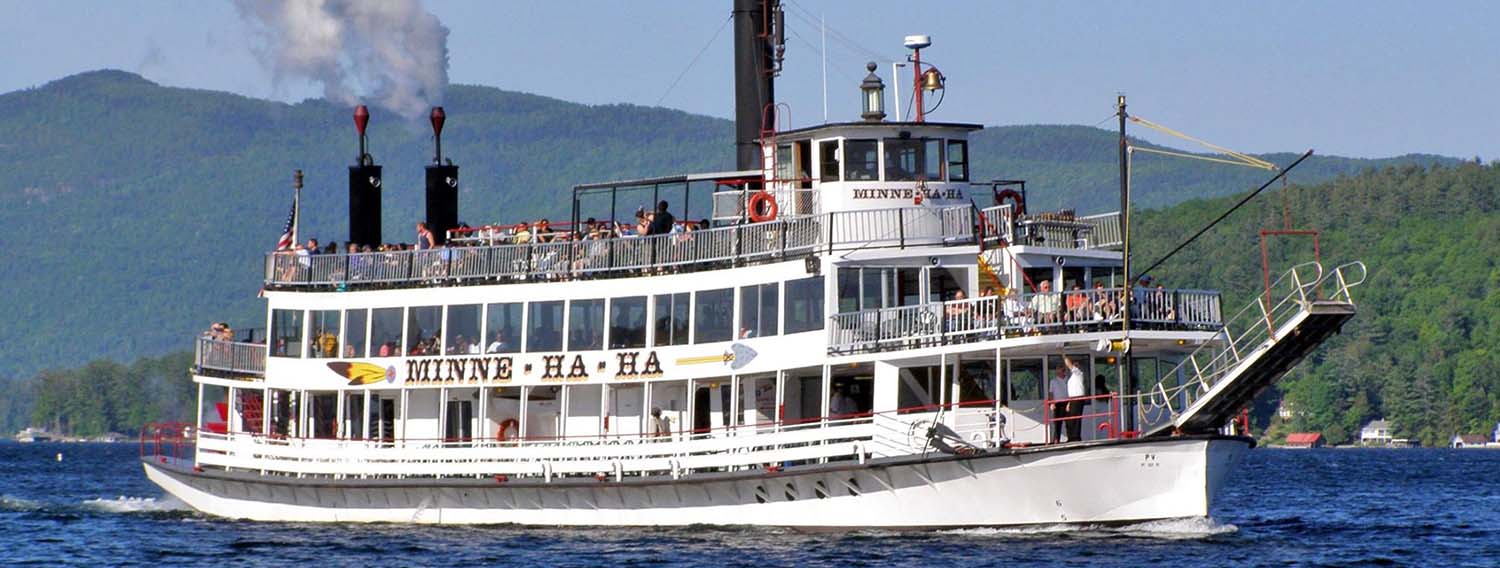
x=1376, y=433
x=1468, y=441
x=1305, y=440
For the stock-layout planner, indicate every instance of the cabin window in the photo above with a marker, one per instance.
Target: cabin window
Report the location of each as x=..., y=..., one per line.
x=627, y=323
x=286, y=333
x=385, y=332
x=544, y=327
x=786, y=162
x=828, y=157
x=932, y=159
x=758, y=310
x=862, y=160
x=671, y=319
x=463, y=330
x=804, y=305
x=323, y=340
x=1035, y=277
x=585, y=325
x=424, y=330
x=713, y=319
x=356, y=326
x=958, y=160
x=919, y=389
x=903, y=159
x=1024, y=379
x=943, y=283
x=503, y=328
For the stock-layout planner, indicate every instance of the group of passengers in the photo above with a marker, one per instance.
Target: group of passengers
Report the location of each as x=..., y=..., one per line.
x=1046, y=310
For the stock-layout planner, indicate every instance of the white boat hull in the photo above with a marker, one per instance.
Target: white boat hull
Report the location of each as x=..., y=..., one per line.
x=1112, y=482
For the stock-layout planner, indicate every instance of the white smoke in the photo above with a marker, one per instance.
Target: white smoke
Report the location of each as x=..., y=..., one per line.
x=388, y=53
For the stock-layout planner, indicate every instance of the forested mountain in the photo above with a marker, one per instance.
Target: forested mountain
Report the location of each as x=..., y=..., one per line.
x=134, y=214
x=1422, y=350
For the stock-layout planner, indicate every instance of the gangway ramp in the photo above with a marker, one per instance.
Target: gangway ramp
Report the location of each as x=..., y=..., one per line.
x=1253, y=350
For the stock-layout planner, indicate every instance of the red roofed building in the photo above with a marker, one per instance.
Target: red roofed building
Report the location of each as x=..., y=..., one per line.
x=1304, y=440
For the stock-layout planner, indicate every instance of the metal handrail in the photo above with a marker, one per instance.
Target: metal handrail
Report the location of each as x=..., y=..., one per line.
x=229, y=357
x=628, y=256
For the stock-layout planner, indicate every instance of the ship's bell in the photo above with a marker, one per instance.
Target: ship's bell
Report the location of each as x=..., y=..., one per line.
x=932, y=80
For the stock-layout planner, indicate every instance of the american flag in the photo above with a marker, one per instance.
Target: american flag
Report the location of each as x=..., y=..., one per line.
x=289, y=233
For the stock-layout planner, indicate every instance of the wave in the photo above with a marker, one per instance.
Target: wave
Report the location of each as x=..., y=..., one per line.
x=1181, y=528
x=127, y=505
x=17, y=504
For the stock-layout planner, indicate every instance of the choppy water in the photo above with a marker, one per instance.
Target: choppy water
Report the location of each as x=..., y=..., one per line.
x=1325, y=507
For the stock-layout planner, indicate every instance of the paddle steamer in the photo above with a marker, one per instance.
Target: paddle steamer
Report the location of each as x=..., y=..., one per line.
x=859, y=335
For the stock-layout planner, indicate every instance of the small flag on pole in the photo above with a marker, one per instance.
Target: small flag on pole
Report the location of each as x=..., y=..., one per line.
x=289, y=232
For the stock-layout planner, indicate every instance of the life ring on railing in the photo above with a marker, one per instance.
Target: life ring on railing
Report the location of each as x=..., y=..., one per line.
x=1018, y=203
x=762, y=207
x=505, y=426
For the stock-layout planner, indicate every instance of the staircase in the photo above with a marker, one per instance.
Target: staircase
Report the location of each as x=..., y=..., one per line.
x=1252, y=351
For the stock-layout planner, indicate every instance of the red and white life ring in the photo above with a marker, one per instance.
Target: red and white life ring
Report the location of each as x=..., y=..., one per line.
x=762, y=207
x=1018, y=203
x=503, y=433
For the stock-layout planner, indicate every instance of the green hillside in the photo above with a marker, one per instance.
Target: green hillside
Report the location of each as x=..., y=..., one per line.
x=1422, y=351
x=134, y=214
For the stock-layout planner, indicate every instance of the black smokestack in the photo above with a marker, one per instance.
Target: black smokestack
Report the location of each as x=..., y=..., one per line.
x=364, y=189
x=442, y=184
x=754, y=49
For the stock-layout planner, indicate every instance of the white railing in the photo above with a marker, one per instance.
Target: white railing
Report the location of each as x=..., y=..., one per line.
x=783, y=238
x=1246, y=334
x=213, y=355
x=1073, y=311
x=997, y=224
x=1105, y=231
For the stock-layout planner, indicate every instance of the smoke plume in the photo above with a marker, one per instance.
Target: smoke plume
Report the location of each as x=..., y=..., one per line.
x=390, y=53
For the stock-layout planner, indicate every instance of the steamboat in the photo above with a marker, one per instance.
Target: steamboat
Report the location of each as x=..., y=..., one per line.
x=856, y=334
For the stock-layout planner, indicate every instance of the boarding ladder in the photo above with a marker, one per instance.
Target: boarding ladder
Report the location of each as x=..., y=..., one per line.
x=1253, y=350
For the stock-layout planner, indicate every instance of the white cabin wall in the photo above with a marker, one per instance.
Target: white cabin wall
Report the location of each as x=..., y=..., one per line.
x=422, y=415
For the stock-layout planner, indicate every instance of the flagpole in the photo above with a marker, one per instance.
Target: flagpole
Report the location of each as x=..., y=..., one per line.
x=296, y=208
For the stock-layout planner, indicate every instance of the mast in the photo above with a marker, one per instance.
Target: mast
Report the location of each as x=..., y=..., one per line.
x=1127, y=382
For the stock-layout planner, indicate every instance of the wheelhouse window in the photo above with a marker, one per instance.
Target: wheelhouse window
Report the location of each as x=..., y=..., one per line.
x=503, y=328
x=544, y=327
x=286, y=333
x=903, y=159
x=958, y=160
x=323, y=341
x=861, y=160
x=932, y=159
x=758, y=310
x=385, y=332
x=585, y=325
x=463, y=330
x=672, y=319
x=713, y=318
x=424, y=330
x=786, y=162
x=356, y=326
x=627, y=322
x=828, y=158
x=804, y=304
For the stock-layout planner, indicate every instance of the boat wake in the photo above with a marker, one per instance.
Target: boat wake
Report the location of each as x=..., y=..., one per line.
x=120, y=505
x=1170, y=529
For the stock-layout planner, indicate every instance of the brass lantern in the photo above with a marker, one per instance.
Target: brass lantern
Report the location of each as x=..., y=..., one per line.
x=873, y=90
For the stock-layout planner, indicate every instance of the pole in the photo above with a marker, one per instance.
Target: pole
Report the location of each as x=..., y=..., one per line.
x=916, y=84
x=1123, y=372
x=823, y=32
x=297, y=208
x=896, y=87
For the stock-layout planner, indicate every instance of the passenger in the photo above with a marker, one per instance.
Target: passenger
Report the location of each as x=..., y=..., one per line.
x=661, y=426
x=1105, y=306
x=662, y=221
x=1076, y=393
x=642, y=222
x=328, y=345
x=425, y=239
x=984, y=309
x=841, y=404
x=956, y=313
x=1017, y=313
x=497, y=345
x=522, y=234
x=1078, y=304
x=1164, y=305
x=1045, y=304
x=543, y=232
x=1057, y=390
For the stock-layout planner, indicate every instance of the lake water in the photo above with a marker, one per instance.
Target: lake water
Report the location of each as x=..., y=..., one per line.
x=1325, y=507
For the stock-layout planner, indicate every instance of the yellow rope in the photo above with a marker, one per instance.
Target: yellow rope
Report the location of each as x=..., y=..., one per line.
x=1187, y=155
x=1241, y=159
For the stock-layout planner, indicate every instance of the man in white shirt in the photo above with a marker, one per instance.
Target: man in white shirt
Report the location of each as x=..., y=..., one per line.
x=1057, y=389
x=1075, y=391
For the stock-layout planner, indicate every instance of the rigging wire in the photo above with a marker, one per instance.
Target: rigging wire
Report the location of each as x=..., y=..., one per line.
x=695, y=60
x=806, y=18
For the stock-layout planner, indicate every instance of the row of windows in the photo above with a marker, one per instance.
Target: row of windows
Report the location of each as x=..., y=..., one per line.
x=904, y=159
x=553, y=325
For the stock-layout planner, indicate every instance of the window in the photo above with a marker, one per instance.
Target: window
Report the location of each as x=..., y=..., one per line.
x=503, y=328
x=861, y=160
x=323, y=341
x=585, y=325
x=903, y=159
x=627, y=323
x=385, y=332
x=463, y=330
x=671, y=319
x=758, y=310
x=544, y=327
x=804, y=305
x=424, y=330
x=713, y=316
x=356, y=325
x=828, y=156
x=918, y=389
x=1025, y=379
x=848, y=285
x=286, y=333
x=932, y=159
x=958, y=160
x=786, y=163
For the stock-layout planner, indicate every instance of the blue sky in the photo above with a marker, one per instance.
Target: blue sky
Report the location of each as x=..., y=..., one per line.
x=1351, y=78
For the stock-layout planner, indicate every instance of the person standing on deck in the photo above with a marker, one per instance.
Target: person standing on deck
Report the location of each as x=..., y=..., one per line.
x=662, y=222
x=1057, y=390
x=425, y=240
x=1075, y=402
